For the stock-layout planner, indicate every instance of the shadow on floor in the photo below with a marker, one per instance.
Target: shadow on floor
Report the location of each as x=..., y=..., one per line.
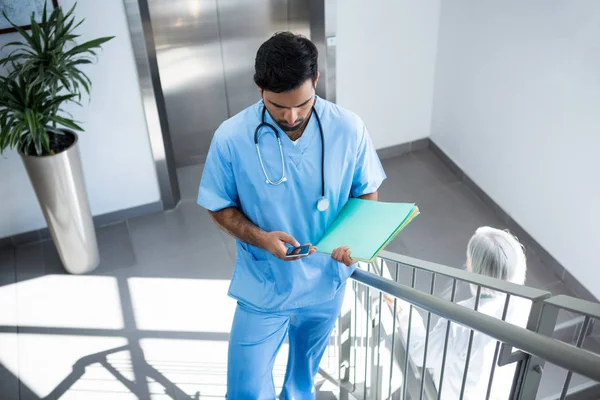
x=137, y=387
x=141, y=371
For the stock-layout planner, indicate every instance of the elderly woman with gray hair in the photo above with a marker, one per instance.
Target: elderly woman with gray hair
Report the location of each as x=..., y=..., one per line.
x=494, y=253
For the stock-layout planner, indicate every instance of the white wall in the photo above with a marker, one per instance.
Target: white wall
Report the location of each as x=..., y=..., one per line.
x=385, y=63
x=517, y=107
x=115, y=148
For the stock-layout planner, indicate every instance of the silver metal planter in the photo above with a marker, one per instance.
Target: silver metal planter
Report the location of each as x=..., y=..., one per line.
x=60, y=188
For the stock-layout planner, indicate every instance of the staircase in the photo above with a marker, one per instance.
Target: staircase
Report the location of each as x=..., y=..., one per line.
x=562, y=316
x=567, y=330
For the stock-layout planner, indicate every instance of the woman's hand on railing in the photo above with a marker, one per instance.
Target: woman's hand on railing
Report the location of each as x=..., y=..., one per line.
x=390, y=301
x=342, y=254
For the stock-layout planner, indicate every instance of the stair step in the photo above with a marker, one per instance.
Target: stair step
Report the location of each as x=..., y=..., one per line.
x=568, y=327
x=553, y=380
x=581, y=388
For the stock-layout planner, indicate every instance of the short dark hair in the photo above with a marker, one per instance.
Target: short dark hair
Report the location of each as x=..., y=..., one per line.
x=284, y=62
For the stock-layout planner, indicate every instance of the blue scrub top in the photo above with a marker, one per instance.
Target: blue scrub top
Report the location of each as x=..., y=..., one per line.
x=233, y=177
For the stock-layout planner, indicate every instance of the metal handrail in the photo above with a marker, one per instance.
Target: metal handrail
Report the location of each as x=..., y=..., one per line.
x=514, y=289
x=559, y=353
x=583, y=307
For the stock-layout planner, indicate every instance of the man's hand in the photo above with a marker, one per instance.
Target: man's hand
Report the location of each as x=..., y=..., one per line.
x=342, y=254
x=235, y=223
x=275, y=243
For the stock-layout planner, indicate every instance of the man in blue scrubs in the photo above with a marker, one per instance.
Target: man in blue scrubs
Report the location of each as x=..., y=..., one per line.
x=266, y=193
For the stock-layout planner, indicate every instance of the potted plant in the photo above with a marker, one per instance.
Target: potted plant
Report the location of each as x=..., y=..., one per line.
x=42, y=74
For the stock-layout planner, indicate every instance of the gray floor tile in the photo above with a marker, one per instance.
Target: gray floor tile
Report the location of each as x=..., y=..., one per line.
x=6, y=242
x=187, y=223
x=116, y=249
x=407, y=180
x=7, y=265
x=326, y=395
x=567, y=317
x=568, y=325
x=114, y=245
x=592, y=344
x=552, y=382
x=183, y=242
x=52, y=262
x=29, y=261
x=414, y=175
x=538, y=276
x=558, y=288
x=9, y=385
x=433, y=164
x=577, y=288
x=449, y=216
x=471, y=209
x=394, y=151
x=27, y=237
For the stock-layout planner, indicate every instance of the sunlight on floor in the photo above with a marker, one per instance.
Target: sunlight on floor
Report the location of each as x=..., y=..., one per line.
x=47, y=360
x=198, y=366
x=67, y=301
x=8, y=305
x=73, y=343
x=9, y=357
x=182, y=305
x=99, y=383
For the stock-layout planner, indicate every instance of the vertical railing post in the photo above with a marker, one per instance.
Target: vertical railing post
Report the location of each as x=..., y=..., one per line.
x=345, y=348
x=368, y=321
x=378, y=372
x=542, y=319
x=372, y=322
x=580, y=339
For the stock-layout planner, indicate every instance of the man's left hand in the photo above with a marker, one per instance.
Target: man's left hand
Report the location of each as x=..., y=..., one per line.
x=342, y=254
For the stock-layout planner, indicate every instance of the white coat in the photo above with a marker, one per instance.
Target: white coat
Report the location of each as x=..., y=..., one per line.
x=482, y=351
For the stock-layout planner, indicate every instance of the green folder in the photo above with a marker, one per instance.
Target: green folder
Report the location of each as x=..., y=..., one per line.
x=366, y=227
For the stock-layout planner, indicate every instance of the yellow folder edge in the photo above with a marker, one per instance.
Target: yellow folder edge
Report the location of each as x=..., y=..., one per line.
x=412, y=215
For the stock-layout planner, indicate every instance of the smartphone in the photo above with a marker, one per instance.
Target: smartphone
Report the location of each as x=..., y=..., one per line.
x=294, y=252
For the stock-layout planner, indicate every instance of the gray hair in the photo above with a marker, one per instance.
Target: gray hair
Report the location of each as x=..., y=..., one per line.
x=498, y=254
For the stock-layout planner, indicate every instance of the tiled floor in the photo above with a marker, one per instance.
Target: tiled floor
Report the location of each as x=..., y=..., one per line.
x=153, y=320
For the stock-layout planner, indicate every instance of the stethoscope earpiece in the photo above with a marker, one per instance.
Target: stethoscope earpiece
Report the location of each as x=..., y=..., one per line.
x=323, y=203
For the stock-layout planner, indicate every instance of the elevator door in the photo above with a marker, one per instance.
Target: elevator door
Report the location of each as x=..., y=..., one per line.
x=205, y=51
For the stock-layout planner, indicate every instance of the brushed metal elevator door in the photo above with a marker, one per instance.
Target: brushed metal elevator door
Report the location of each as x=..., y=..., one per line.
x=205, y=52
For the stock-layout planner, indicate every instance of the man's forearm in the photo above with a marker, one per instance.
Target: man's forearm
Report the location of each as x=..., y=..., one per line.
x=235, y=223
x=371, y=196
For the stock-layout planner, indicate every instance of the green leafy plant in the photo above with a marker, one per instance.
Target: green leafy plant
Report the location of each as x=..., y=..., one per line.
x=42, y=74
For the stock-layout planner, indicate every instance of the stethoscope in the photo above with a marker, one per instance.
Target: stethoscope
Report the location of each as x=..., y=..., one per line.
x=322, y=203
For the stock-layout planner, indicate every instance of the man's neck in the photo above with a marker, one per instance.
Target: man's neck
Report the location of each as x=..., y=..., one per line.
x=295, y=135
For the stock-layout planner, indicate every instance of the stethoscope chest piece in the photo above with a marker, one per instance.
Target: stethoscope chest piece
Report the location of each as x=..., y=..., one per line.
x=323, y=204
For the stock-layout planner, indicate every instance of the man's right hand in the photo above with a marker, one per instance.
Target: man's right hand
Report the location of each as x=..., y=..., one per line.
x=275, y=243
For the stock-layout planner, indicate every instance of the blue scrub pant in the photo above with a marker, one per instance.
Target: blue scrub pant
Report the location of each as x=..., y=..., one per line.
x=257, y=336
